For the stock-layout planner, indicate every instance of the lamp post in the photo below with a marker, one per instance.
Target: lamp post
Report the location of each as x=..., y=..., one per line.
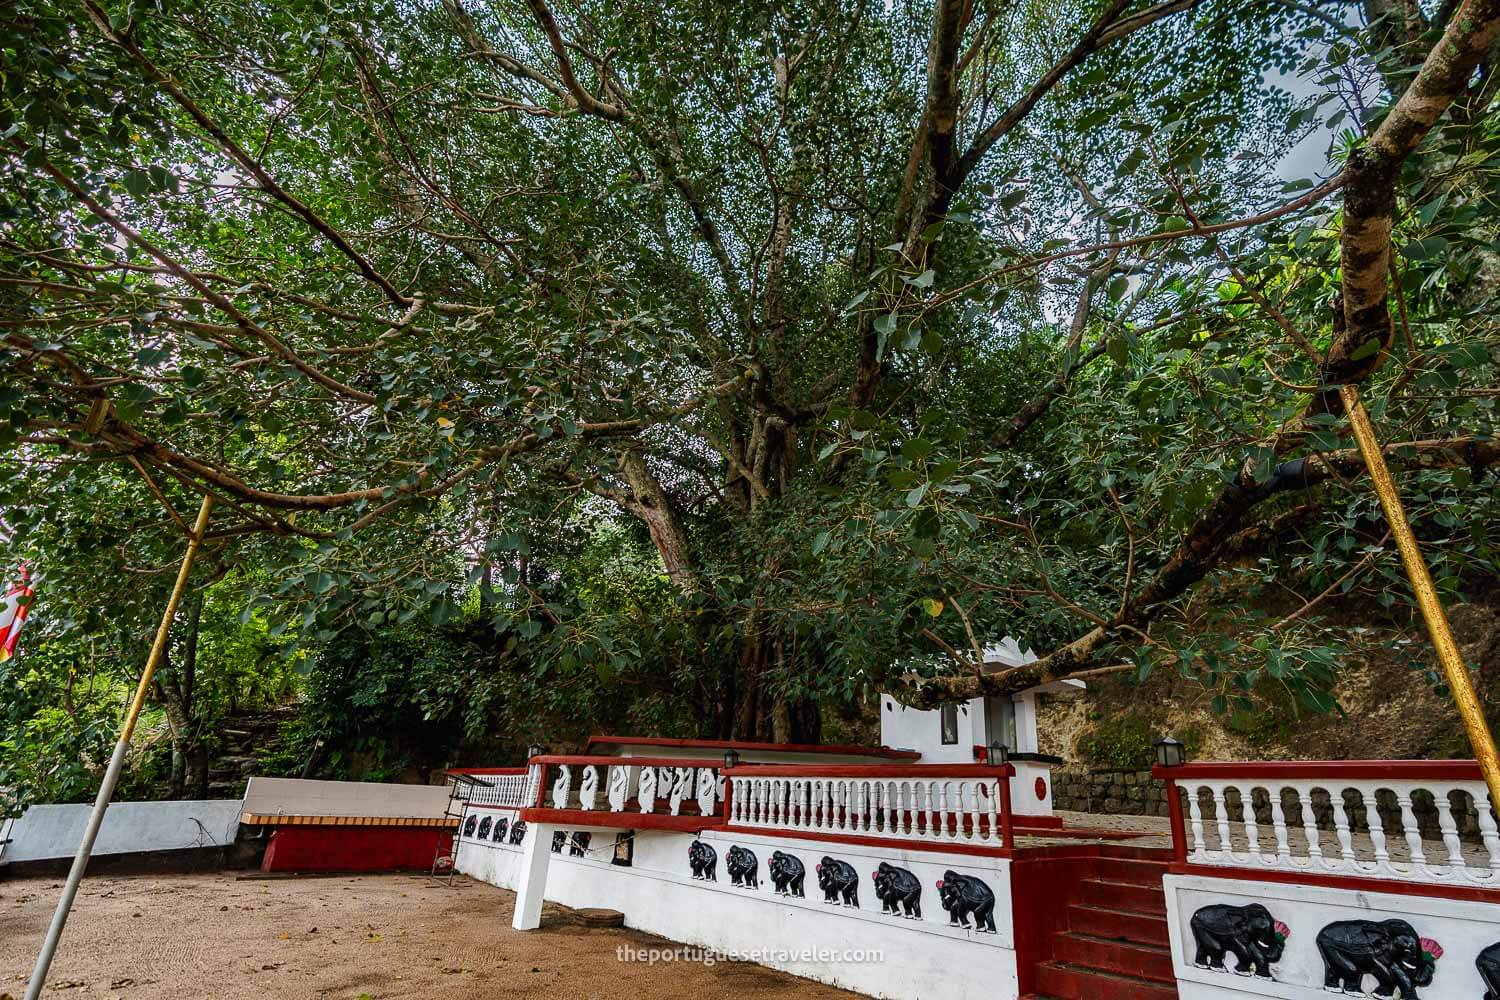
x=996, y=753
x=731, y=759
x=535, y=750
x=1170, y=752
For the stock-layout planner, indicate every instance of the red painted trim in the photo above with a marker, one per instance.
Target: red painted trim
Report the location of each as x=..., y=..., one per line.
x=602, y=760
x=485, y=770
x=1472, y=894
x=620, y=820
x=1363, y=770
x=869, y=771
x=1179, y=830
x=1043, y=823
x=888, y=842
x=666, y=741
x=1007, y=824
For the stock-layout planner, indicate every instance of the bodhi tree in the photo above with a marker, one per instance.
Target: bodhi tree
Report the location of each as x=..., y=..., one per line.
x=889, y=328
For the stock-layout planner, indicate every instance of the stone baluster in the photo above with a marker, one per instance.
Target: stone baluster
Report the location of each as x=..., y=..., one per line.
x=1487, y=829
x=934, y=809
x=646, y=790
x=561, y=787
x=1278, y=824
x=1409, y=828
x=1221, y=816
x=1376, y=825
x=1195, y=819
x=1341, y=828
x=1252, y=826
x=1449, y=829
x=588, y=787
x=1310, y=825
x=993, y=787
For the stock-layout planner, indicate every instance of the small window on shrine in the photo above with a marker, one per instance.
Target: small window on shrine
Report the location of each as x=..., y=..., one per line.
x=624, y=849
x=948, y=717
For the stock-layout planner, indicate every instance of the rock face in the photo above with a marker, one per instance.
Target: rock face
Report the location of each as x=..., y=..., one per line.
x=243, y=740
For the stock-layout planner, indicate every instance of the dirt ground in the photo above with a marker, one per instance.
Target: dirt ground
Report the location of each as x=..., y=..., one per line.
x=376, y=937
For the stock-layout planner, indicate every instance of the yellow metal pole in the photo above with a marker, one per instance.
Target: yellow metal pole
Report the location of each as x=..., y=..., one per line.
x=116, y=762
x=1462, y=685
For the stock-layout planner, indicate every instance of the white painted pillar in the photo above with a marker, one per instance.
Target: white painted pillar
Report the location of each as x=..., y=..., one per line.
x=531, y=885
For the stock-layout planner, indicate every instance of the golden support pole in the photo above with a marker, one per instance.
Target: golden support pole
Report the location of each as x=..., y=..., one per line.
x=116, y=762
x=1452, y=660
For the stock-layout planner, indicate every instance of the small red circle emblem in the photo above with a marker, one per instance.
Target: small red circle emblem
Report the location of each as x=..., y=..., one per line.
x=1041, y=789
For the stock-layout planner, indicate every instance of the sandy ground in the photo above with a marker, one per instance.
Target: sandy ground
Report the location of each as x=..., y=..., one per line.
x=375, y=937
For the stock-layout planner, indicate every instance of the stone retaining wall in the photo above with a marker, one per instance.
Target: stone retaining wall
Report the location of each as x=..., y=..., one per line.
x=1121, y=793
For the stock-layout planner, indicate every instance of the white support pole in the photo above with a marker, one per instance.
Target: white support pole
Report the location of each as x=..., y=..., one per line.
x=536, y=851
x=116, y=763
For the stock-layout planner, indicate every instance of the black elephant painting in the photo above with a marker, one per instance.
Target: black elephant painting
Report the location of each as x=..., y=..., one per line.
x=787, y=873
x=578, y=846
x=1388, y=950
x=1249, y=932
x=518, y=831
x=898, y=891
x=483, y=833
x=559, y=838
x=743, y=867
x=502, y=825
x=1488, y=964
x=964, y=896
x=838, y=880
x=469, y=825
x=704, y=861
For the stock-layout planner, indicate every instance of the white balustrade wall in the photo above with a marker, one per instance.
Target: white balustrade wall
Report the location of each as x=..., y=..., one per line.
x=940, y=809
x=512, y=790
x=1376, y=832
x=614, y=784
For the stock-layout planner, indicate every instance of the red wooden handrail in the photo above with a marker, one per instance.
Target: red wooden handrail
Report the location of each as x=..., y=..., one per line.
x=1331, y=770
x=605, y=760
x=870, y=771
x=485, y=770
x=754, y=746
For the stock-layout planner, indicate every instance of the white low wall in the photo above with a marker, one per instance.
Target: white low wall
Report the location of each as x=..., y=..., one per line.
x=305, y=797
x=46, y=832
x=1462, y=929
x=804, y=936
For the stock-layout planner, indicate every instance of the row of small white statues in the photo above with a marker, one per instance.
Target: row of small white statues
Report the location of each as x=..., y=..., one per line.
x=674, y=784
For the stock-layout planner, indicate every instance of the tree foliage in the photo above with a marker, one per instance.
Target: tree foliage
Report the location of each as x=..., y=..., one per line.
x=746, y=359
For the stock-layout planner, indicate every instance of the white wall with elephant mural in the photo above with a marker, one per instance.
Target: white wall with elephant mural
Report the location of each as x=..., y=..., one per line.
x=739, y=903
x=1323, y=940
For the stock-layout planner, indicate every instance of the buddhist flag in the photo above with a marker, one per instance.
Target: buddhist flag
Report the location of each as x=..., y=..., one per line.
x=13, y=614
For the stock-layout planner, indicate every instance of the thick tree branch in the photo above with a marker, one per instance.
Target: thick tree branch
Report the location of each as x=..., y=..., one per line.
x=1370, y=194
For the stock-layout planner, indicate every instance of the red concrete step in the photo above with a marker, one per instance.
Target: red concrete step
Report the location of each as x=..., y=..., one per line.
x=1074, y=982
x=1124, y=925
x=1146, y=961
x=1123, y=896
x=1134, y=872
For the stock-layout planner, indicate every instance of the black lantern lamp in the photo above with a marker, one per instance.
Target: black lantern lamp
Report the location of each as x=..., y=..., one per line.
x=996, y=753
x=731, y=758
x=1170, y=752
x=535, y=750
